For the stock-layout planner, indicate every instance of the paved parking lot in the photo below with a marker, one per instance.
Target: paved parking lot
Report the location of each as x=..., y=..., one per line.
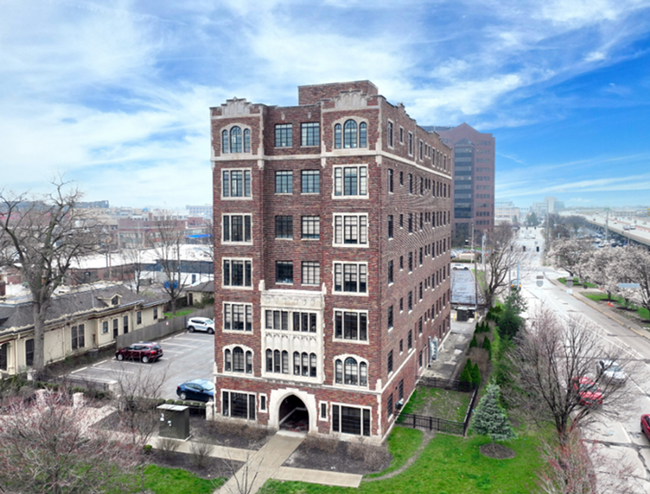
x=186, y=356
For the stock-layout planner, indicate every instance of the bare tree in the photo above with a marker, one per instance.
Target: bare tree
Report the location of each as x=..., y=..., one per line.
x=571, y=254
x=501, y=256
x=46, y=447
x=135, y=258
x=549, y=360
x=167, y=239
x=578, y=466
x=41, y=238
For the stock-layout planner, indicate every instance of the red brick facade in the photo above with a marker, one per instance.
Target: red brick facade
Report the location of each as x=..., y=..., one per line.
x=361, y=201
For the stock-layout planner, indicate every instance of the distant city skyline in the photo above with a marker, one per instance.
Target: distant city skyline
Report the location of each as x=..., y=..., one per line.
x=116, y=96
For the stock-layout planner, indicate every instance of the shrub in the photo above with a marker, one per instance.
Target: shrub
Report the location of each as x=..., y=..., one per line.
x=167, y=446
x=200, y=453
x=320, y=443
x=466, y=375
x=487, y=345
x=473, y=343
x=476, y=375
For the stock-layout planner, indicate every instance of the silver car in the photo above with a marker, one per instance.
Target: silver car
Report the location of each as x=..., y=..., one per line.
x=200, y=324
x=611, y=372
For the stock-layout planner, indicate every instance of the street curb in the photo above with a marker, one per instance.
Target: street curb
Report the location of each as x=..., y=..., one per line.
x=589, y=302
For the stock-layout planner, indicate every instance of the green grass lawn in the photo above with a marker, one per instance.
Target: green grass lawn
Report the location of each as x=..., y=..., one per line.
x=402, y=443
x=449, y=465
x=440, y=403
x=178, y=481
x=179, y=313
x=575, y=280
x=597, y=297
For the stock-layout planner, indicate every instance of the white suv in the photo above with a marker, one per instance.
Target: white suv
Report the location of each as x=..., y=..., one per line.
x=200, y=324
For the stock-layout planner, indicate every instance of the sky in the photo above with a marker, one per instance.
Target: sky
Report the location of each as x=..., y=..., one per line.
x=115, y=95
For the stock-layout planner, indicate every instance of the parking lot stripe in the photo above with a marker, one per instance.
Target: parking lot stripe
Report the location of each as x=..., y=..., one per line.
x=79, y=370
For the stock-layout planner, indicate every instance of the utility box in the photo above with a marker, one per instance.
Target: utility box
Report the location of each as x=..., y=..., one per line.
x=174, y=421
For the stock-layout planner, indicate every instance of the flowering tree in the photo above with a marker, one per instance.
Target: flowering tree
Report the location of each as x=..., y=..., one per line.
x=635, y=266
x=46, y=446
x=604, y=269
x=571, y=254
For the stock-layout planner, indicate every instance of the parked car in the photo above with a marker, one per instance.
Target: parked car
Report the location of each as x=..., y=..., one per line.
x=587, y=390
x=645, y=425
x=145, y=351
x=197, y=390
x=200, y=324
x=610, y=371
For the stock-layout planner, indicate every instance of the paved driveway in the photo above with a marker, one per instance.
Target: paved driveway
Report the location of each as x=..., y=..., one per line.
x=186, y=356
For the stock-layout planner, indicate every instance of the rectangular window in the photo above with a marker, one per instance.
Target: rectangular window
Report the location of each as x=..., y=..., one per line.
x=389, y=406
x=390, y=226
x=421, y=149
x=262, y=403
x=284, y=271
x=390, y=134
x=304, y=322
x=236, y=227
x=125, y=321
x=409, y=340
x=350, y=325
x=311, y=227
x=138, y=317
x=240, y=405
x=390, y=317
x=410, y=222
x=284, y=182
x=389, y=362
x=401, y=135
x=390, y=180
x=237, y=272
x=277, y=319
x=309, y=134
x=323, y=410
x=78, y=336
x=284, y=227
x=3, y=356
x=155, y=313
x=237, y=317
x=116, y=325
x=410, y=143
x=283, y=136
x=310, y=182
x=351, y=277
x=236, y=183
x=310, y=273
x=410, y=261
x=390, y=272
x=410, y=183
x=29, y=351
x=410, y=301
x=350, y=229
x=351, y=181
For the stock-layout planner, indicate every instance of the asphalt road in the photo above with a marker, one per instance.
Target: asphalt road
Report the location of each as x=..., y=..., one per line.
x=619, y=439
x=186, y=356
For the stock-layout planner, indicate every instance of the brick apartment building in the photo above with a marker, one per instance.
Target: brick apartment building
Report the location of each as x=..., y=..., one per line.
x=332, y=259
x=473, y=195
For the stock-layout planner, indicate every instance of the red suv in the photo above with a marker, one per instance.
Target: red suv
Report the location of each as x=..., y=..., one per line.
x=645, y=425
x=144, y=351
x=587, y=390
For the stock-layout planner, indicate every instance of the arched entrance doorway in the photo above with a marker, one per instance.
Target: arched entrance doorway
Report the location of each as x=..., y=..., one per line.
x=293, y=415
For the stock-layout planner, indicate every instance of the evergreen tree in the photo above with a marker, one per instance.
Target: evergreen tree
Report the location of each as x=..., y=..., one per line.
x=466, y=375
x=474, y=342
x=490, y=419
x=487, y=345
x=476, y=375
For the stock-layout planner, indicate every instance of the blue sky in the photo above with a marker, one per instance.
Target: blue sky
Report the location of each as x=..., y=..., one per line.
x=115, y=94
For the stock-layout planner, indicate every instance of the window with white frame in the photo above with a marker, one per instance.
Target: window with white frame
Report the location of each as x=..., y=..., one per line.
x=410, y=143
x=351, y=420
x=284, y=182
x=351, y=229
x=390, y=133
x=350, y=181
x=231, y=141
x=237, y=272
x=351, y=325
x=310, y=182
x=236, y=228
x=354, y=135
x=309, y=134
x=350, y=277
x=238, y=359
x=310, y=272
x=238, y=405
x=351, y=371
x=283, y=136
x=282, y=320
x=236, y=183
x=237, y=317
x=305, y=364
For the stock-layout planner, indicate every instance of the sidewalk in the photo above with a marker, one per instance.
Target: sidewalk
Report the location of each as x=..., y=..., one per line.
x=452, y=350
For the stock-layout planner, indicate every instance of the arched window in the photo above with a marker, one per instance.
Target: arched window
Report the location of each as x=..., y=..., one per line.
x=363, y=374
x=338, y=371
x=269, y=361
x=237, y=359
x=351, y=371
x=249, y=362
x=285, y=362
x=276, y=361
x=337, y=136
x=235, y=140
x=296, y=363
x=247, y=141
x=305, y=364
x=224, y=142
x=350, y=134
x=363, y=135
x=312, y=365
x=227, y=361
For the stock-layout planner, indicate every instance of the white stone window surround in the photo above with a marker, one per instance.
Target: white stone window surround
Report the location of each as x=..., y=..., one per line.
x=231, y=348
x=228, y=128
x=340, y=404
x=236, y=331
x=342, y=168
x=231, y=242
x=342, y=357
x=343, y=339
x=236, y=198
x=361, y=231
x=237, y=287
x=342, y=291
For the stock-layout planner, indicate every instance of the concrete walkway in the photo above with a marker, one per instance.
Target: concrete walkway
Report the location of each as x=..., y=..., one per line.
x=262, y=465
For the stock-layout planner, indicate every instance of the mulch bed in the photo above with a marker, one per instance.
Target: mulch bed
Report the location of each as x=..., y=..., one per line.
x=497, y=451
x=234, y=435
x=213, y=467
x=336, y=460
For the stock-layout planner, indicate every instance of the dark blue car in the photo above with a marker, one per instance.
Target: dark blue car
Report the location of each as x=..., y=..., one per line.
x=196, y=390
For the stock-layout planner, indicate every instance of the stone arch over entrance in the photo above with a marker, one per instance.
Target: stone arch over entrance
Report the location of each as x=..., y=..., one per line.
x=287, y=403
